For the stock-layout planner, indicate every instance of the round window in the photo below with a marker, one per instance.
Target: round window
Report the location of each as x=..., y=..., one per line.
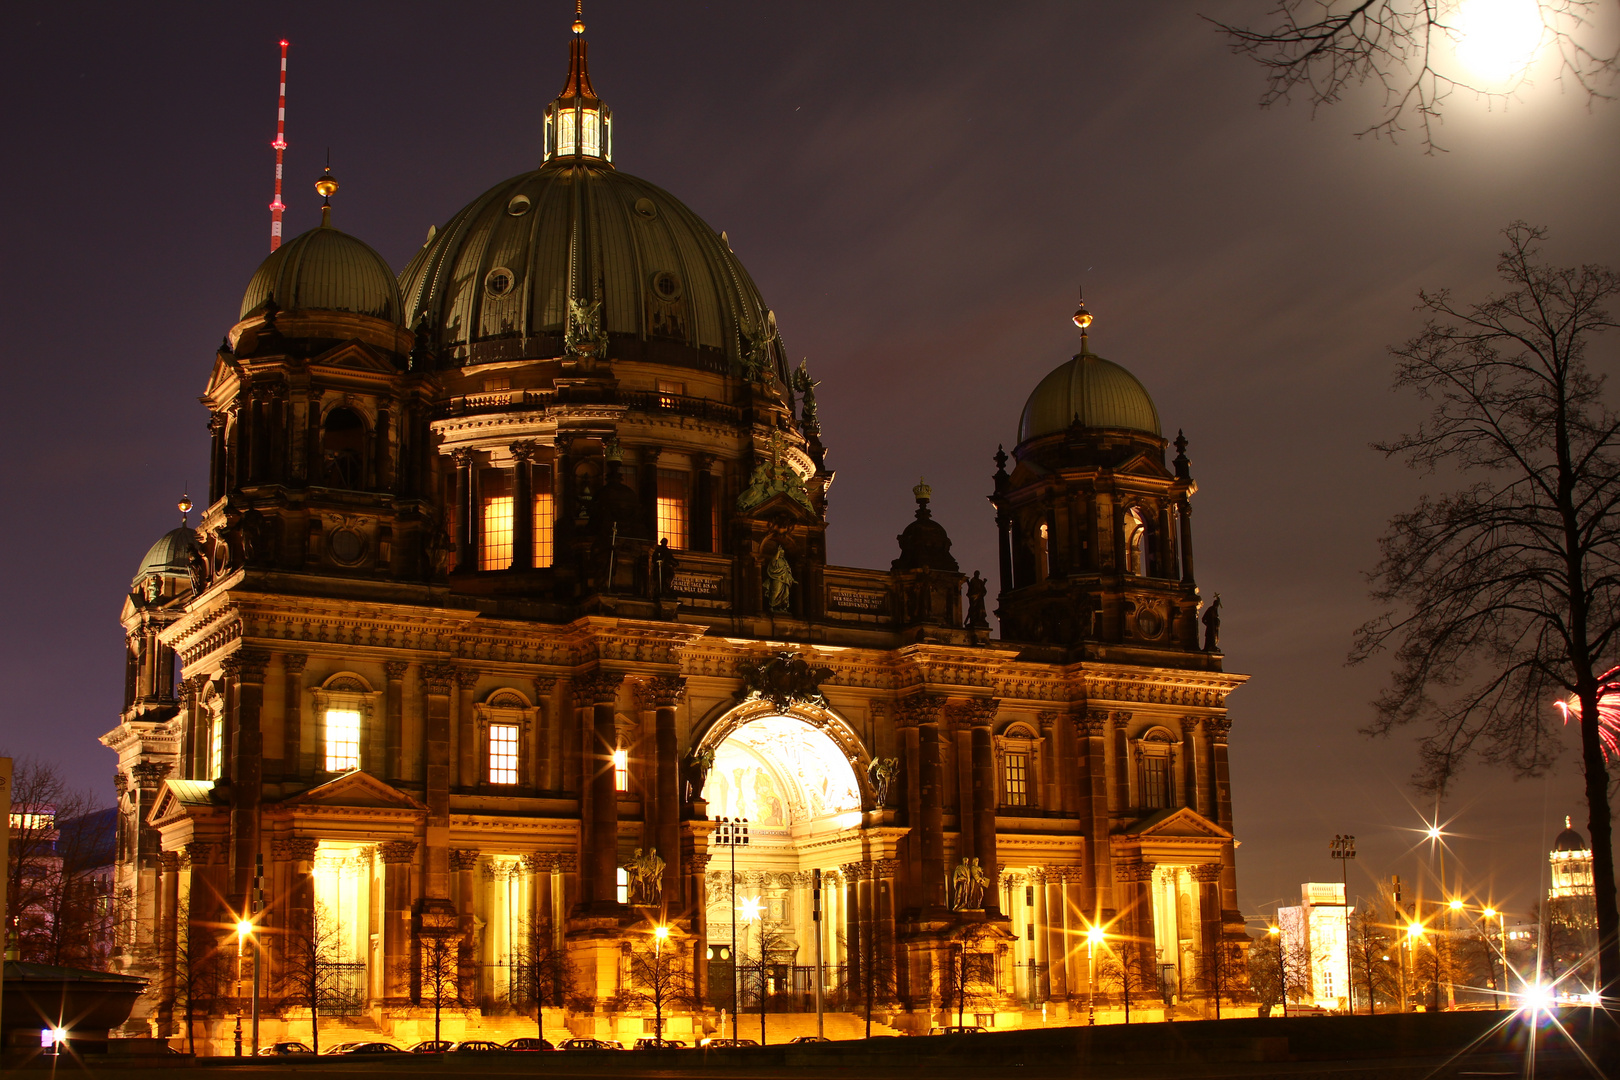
x=1149, y=623
x=499, y=281
x=646, y=208
x=346, y=545
x=666, y=286
x=518, y=206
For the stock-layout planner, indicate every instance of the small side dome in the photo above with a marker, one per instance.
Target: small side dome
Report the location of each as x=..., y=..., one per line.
x=1570, y=840
x=1098, y=392
x=326, y=270
x=924, y=544
x=169, y=557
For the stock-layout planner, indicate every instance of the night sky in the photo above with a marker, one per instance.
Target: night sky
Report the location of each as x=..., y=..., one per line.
x=918, y=189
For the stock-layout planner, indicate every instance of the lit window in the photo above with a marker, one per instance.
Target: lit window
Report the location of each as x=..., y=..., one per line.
x=1017, y=779
x=567, y=142
x=503, y=754
x=342, y=740
x=672, y=507
x=497, y=382
x=496, y=491
x=590, y=133
x=714, y=514
x=669, y=391
x=624, y=885
x=621, y=770
x=545, y=514
x=216, y=747
x=1155, y=781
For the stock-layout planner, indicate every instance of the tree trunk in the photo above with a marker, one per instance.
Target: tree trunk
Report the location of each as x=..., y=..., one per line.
x=1601, y=831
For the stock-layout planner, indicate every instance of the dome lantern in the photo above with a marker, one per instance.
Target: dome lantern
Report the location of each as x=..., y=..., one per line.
x=578, y=124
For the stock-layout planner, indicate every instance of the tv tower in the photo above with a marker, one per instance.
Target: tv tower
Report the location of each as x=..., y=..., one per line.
x=276, y=205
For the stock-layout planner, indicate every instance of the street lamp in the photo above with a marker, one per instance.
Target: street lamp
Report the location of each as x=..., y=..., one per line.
x=1094, y=937
x=244, y=930
x=733, y=832
x=1343, y=848
x=1501, y=931
x=751, y=910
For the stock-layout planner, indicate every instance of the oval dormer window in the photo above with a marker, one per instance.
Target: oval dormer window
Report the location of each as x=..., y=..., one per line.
x=499, y=281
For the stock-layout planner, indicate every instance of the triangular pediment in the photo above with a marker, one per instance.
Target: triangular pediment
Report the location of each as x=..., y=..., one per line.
x=356, y=790
x=354, y=355
x=1180, y=823
x=780, y=505
x=1143, y=465
x=177, y=799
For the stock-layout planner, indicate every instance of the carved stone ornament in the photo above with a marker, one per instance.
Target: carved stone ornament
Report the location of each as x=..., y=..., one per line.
x=395, y=670
x=297, y=849
x=645, y=873
x=666, y=690
x=397, y=852
x=1133, y=871
x=977, y=712
x=293, y=662
x=438, y=678
x=1206, y=873
x=598, y=687
x=772, y=476
x=784, y=680
x=882, y=772
x=463, y=858
x=1218, y=726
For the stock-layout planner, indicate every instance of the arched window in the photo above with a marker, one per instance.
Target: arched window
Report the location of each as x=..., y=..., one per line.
x=343, y=448
x=1138, y=543
x=1155, y=770
x=1018, y=766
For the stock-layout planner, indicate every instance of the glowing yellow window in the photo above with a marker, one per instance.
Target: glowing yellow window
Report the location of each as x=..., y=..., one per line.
x=672, y=500
x=591, y=133
x=216, y=748
x=342, y=740
x=624, y=885
x=669, y=391
x=496, y=492
x=621, y=770
x=1017, y=779
x=503, y=754
x=545, y=514
x=566, y=139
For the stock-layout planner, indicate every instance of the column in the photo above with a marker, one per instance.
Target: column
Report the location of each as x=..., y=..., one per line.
x=701, y=527
x=1057, y=948
x=1077, y=921
x=1038, y=916
x=381, y=467
x=1208, y=878
x=464, y=861
x=1217, y=728
x=602, y=690
x=1004, y=548
x=436, y=682
x=522, y=506
x=543, y=753
x=856, y=945
x=1195, y=752
x=298, y=854
x=667, y=692
x=397, y=856
x=697, y=887
x=649, y=488
x=1090, y=730
x=981, y=715
x=314, y=464
x=168, y=940
x=246, y=670
x=542, y=906
x=191, y=708
x=466, y=528
x=394, y=724
x=925, y=710
x=292, y=715
x=568, y=870
x=885, y=875
x=466, y=729
x=1133, y=882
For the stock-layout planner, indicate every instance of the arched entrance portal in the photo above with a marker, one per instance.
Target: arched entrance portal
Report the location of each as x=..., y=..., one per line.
x=799, y=780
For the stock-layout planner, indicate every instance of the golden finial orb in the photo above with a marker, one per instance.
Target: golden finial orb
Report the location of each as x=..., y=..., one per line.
x=327, y=185
x=579, y=26
x=1081, y=317
x=184, y=505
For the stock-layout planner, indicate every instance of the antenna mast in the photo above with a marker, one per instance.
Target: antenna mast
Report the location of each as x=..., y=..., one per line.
x=276, y=205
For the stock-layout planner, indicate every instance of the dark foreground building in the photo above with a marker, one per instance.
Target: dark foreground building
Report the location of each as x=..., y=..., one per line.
x=511, y=581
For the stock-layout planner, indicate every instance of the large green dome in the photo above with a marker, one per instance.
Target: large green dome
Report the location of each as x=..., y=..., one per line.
x=169, y=557
x=1096, y=392
x=325, y=270
x=498, y=277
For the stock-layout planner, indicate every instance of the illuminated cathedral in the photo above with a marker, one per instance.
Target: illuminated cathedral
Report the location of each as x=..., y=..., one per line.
x=509, y=602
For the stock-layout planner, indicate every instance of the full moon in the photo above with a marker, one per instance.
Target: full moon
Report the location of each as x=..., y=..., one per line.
x=1497, y=39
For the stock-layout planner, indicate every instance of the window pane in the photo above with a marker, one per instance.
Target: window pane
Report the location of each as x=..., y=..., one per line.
x=592, y=141
x=1017, y=779
x=621, y=771
x=672, y=486
x=216, y=749
x=503, y=754
x=1155, y=781
x=624, y=885
x=545, y=515
x=565, y=131
x=496, y=493
x=342, y=740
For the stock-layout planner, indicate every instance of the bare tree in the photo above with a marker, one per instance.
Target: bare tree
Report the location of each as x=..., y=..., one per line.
x=201, y=974
x=1266, y=976
x=871, y=976
x=1130, y=970
x=767, y=952
x=542, y=973
x=1372, y=940
x=60, y=900
x=968, y=976
x=1223, y=974
x=311, y=971
x=660, y=978
x=439, y=962
x=1505, y=595
x=1322, y=48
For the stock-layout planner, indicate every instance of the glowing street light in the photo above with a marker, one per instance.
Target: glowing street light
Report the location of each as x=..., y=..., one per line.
x=1282, y=969
x=1095, y=935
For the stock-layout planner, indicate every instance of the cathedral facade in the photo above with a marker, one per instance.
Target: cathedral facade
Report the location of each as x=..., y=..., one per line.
x=509, y=605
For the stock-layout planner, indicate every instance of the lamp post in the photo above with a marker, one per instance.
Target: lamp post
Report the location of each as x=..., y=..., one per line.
x=815, y=918
x=752, y=909
x=733, y=832
x=1414, y=934
x=1501, y=987
x=1094, y=935
x=1343, y=848
x=660, y=935
x=243, y=929
x=1437, y=842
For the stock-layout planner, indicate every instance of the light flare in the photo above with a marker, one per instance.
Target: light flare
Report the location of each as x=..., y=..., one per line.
x=1498, y=39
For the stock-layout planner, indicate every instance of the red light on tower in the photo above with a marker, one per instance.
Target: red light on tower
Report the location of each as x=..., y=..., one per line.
x=276, y=205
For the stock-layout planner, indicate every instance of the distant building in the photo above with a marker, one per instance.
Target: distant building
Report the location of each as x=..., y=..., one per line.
x=1314, y=936
x=1569, y=918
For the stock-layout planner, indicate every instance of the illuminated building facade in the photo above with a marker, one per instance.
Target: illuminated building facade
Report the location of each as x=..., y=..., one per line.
x=512, y=578
x=1314, y=935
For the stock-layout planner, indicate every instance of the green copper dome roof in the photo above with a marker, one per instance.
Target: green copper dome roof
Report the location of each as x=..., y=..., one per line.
x=325, y=270
x=1098, y=392
x=506, y=266
x=167, y=557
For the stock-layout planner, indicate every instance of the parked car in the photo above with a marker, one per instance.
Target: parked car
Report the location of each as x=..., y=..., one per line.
x=723, y=1043
x=964, y=1030
x=589, y=1044
x=281, y=1048
x=475, y=1046
x=530, y=1043
x=369, y=1048
x=650, y=1043
x=339, y=1048
x=809, y=1039
x=431, y=1046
